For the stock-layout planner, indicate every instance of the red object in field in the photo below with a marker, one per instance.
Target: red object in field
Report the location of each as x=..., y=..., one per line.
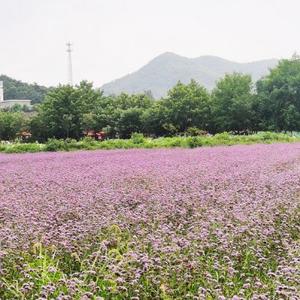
x=25, y=135
x=89, y=133
x=100, y=135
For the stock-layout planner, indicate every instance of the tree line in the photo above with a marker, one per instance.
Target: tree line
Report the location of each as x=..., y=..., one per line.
x=16, y=89
x=236, y=104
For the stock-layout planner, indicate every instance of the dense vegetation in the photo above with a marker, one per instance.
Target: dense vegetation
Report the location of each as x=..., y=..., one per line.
x=137, y=140
x=15, y=89
x=235, y=105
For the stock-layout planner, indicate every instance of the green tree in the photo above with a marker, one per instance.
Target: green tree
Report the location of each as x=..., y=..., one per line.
x=63, y=113
x=232, y=103
x=129, y=122
x=154, y=119
x=88, y=121
x=187, y=105
x=125, y=101
x=291, y=117
x=11, y=123
x=279, y=96
x=122, y=115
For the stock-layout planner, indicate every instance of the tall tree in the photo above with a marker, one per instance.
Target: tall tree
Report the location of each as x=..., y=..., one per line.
x=11, y=123
x=291, y=117
x=232, y=100
x=122, y=115
x=154, y=120
x=279, y=95
x=187, y=105
x=63, y=113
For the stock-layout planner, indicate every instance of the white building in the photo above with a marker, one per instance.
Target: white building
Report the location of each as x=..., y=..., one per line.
x=11, y=102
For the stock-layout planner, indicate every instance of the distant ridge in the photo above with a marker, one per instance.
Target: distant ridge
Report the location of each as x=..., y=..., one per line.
x=165, y=70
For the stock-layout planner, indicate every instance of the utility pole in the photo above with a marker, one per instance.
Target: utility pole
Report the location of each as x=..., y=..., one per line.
x=1, y=92
x=70, y=69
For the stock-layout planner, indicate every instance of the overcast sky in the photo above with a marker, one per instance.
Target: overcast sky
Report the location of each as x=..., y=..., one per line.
x=115, y=37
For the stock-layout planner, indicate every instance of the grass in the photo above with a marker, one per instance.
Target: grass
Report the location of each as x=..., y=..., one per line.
x=138, y=141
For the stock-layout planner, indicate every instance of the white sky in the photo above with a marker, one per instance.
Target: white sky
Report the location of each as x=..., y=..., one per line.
x=115, y=37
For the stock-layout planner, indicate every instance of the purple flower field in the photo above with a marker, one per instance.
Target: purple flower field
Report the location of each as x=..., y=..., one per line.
x=206, y=223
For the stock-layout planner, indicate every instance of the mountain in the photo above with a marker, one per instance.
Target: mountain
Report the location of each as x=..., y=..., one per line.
x=164, y=71
x=15, y=89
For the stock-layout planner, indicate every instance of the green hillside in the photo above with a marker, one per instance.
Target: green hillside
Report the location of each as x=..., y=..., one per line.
x=15, y=89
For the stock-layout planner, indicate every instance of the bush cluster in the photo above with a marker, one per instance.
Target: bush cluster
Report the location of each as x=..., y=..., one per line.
x=139, y=141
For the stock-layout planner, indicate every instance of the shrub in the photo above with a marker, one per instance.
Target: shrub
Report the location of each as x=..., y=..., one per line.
x=222, y=136
x=267, y=136
x=194, y=131
x=88, y=141
x=28, y=147
x=55, y=145
x=139, y=141
x=193, y=142
x=137, y=138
